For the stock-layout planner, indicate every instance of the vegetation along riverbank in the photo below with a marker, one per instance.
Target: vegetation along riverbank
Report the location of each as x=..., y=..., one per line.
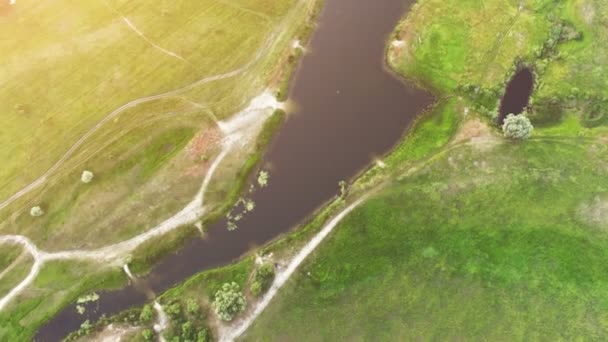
x=465, y=234
x=471, y=235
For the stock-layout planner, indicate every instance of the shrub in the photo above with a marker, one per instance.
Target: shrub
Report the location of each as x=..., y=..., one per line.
x=174, y=310
x=203, y=335
x=188, y=332
x=229, y=301
x=263, y=178
x=146, y=314
x=147, y=334
x=256, y=288
x=87, y=176
x=262, y=279
x=36, y=211
x=517, y=127
x=192, y=306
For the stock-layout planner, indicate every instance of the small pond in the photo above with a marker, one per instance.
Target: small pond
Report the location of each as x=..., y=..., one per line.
x=517, y=95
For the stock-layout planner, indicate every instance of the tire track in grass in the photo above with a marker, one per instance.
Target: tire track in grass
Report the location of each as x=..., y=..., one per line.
x=260, y=52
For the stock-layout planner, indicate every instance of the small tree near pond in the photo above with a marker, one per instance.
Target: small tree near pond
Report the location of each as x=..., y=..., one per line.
x=229, y=301
x=517, y=127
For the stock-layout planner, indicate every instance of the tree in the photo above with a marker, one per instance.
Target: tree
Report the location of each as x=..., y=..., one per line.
x=36, y=211
x=517, y=127
x=87, y=176
x=229, y=301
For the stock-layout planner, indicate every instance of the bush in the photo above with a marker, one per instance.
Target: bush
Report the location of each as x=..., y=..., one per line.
x=517, y=127
x=203, y=335
x=256, y=288
x=146, y=314
x=87, y=176
x=36, y=211
x=192, y=306
x=174, y=310
x=188, y=332
x=262, y=279
x=229, y=301
x=147, y=334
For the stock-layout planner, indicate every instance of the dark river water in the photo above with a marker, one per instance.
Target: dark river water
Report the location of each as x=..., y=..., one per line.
x=517, y=94
x=350, y=110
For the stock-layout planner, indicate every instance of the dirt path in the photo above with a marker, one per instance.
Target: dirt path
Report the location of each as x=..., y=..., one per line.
x=240, y=129
x=233, y=332
x=149, y=41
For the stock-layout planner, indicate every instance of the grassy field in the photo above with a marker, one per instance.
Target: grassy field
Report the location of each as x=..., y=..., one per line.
x=14, y=266
x=150, y=158
x=515, y=250
x=140, y=152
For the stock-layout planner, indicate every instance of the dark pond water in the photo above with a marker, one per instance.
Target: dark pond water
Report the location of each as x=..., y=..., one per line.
x=350, y=110
x=517, y=94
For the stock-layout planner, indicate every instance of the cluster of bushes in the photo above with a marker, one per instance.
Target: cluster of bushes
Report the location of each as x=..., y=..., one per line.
x=560, y=32
x=188, y=318
x=130, y=317
x=262, y=279
x=187, y=323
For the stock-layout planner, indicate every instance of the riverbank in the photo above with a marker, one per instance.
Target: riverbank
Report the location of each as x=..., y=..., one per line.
x=488, y=239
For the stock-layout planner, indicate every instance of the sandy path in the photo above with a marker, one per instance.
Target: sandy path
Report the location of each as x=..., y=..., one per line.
x=236, y=330
x=240, y=129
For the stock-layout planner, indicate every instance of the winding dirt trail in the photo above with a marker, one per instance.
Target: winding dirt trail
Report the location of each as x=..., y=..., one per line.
x=240, y=129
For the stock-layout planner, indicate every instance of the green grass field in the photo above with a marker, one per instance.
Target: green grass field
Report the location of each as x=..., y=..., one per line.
x=14, y=266
x=94, y=60
x=507, y=244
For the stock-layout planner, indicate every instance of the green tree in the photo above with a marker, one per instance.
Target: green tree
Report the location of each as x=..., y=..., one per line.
x=517, y=127
x=229, y=301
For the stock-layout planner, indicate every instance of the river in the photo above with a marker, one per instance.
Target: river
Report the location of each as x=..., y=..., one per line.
x=350, y=110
